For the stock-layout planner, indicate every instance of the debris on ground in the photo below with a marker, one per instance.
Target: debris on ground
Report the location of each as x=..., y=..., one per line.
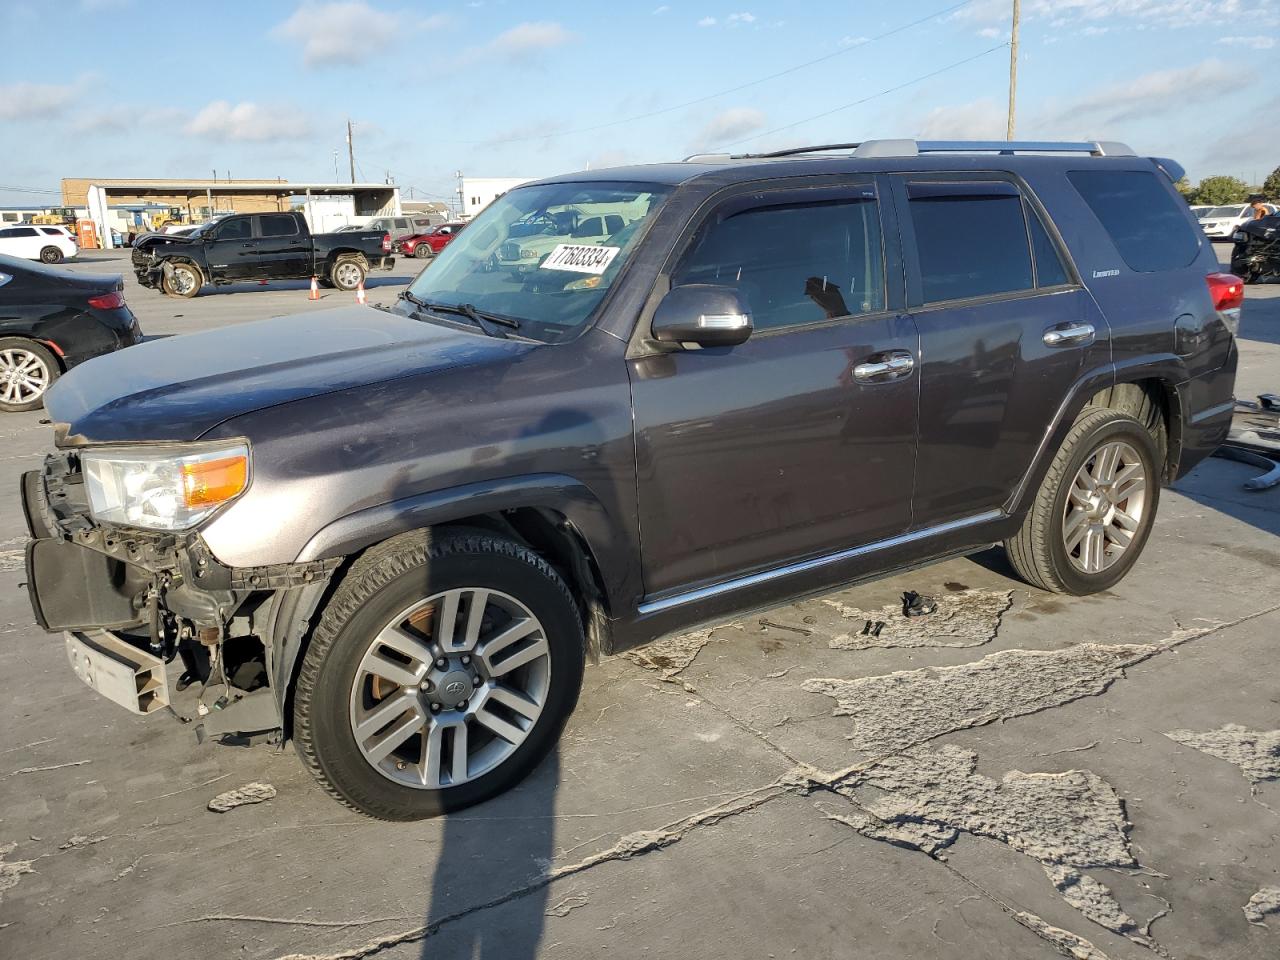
x=897, y=710
x=969, y=618
x=672, y=655
x=915, y=605
x=1255, y=752
x=249, y=793
x=11, y=871
x=79, y=841
x=1270, y=475
x=1263, y=904
x=569, y=903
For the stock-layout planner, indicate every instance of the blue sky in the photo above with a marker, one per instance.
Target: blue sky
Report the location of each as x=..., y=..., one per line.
x=496, y=88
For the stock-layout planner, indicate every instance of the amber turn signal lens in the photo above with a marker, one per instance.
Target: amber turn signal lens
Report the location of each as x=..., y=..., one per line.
x=208, y=483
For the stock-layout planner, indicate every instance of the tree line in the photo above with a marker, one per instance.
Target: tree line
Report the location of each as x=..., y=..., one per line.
x=1221, y=190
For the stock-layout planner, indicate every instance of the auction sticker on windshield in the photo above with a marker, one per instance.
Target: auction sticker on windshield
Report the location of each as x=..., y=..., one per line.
x=580, y=258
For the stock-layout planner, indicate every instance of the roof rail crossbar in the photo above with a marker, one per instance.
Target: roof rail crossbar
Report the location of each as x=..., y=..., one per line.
x=911, y=148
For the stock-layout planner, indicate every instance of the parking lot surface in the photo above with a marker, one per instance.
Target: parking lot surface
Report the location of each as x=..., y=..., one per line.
x=1019, y=775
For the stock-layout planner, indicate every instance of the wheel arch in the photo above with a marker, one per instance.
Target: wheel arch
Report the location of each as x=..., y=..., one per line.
x=1143, y=388
x=555, y=516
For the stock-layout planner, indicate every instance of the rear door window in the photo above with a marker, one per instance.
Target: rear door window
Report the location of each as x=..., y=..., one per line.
x=971, y=239
x=797, y=262
x=277, y=225
x=1145, y=221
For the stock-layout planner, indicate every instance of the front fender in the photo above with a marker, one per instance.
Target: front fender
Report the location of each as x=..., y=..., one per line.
x=614, y=555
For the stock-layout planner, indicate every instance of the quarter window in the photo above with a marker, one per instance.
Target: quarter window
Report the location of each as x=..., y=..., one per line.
x=1146, y=222
x=971, y=239
x=1050, y=270
x=277, y=225
x=795, y=262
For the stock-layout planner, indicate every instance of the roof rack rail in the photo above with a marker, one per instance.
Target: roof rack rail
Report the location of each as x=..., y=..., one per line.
x=706, y=157
x=913, y=148
x=792, y=151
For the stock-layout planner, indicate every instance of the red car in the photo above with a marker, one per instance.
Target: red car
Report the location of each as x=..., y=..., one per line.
x=423, y=245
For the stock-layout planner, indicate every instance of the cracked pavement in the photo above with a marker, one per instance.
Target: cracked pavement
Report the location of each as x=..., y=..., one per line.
x=1034, y=776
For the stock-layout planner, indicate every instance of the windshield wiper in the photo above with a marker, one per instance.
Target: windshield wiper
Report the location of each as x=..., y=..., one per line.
x=490, y=323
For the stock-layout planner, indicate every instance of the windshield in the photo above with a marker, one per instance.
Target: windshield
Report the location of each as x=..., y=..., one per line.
x=1223, y=212
x=204, y=227
x=543, y=255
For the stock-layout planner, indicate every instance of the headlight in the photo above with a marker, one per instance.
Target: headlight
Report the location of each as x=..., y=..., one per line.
x=164, y=488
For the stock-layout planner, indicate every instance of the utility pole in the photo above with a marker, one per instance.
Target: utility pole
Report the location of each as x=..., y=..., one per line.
x=335, y=166
x=1013, y=67
x=351, y=153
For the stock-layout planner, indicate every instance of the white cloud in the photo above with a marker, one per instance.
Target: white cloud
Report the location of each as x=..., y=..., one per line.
x=349, y=32
x=27, y=101
x=732, y=124
x=526, y=39
x=660, y=10
x=249, y=122
x=1149, y=95
x=1257, y=43
x=1165, y=13
x=982, y=119
x=989, y=32
x=852, y=41
x=707, y=22
x=736, y=18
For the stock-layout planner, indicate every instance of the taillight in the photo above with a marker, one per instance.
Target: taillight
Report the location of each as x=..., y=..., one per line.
x=1227, y=292
x=386, y=243
x=108, y=301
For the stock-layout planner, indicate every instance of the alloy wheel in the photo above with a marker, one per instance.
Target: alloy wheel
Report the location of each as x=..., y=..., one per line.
x=347, y=275
x=1105, y=507
x=450, y=688
x=184, y=280
x=24, y=377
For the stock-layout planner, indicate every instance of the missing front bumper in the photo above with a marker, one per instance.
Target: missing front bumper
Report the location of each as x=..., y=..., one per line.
x=122, y=673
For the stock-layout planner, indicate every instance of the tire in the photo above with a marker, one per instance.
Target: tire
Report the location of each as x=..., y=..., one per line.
x=185, y=282
x=50, y=255
x=348, y=273
x=422, y=251
x=1039, y=552
x=27, y=371
x=381, y=595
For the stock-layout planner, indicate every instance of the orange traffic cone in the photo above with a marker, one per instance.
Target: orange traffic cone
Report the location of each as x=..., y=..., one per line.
x=360, y=296
x=315, y=290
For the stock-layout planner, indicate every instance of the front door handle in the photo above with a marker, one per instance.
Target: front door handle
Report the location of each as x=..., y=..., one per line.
x=886, y=366
x=1068, y=335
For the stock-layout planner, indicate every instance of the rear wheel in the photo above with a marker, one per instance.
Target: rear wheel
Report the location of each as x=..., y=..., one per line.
x=441, y=673
x=27, y=371
x=1094, y=510
x=184, y=280
x=50, y=255
x=348, y=273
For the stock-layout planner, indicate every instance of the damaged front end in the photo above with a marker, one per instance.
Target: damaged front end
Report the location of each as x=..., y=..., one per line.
x=133, y=602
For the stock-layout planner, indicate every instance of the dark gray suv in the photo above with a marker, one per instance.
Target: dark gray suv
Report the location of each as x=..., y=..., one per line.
x=395, y=536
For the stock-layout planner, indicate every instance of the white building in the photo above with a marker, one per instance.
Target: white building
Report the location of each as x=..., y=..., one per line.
x=477, y=193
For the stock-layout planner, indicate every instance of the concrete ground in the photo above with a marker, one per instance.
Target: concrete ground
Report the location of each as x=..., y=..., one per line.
x=1019, y=776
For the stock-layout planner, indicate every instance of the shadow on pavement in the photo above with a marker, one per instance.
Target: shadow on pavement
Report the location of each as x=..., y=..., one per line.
x=488, y=856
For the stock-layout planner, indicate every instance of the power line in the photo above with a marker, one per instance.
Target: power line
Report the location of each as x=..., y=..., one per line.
x=856, y=103
x=10, y=188
x=858, y=45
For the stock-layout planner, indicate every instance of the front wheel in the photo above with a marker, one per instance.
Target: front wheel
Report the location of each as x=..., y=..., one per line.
x=183, y=280
x=441, y=673
x=422, y=251
x=1094, y=510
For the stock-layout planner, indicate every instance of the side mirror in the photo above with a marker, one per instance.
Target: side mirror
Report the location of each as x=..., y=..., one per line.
x=702, y=315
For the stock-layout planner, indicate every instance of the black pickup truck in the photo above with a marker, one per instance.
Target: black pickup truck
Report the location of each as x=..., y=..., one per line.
x=258, y=246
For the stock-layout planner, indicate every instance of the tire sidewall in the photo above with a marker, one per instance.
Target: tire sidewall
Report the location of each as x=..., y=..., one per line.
x=50, y=255
x=1122, y=428
x=330, y=731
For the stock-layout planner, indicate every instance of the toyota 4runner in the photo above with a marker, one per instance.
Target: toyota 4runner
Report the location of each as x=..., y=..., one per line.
x=395, y=536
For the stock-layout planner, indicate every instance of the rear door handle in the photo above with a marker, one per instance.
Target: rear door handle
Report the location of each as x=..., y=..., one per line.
x=1069, y=335
x=887, y=366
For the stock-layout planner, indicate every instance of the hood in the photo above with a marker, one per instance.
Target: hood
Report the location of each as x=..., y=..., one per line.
x=179, y=388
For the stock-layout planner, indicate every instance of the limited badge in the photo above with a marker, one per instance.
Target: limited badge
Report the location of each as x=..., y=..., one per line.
x=580, y=258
